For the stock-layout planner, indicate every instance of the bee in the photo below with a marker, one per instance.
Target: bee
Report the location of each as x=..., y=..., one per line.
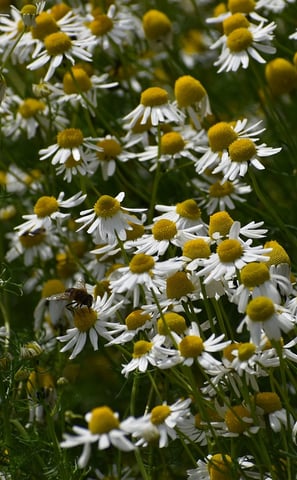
x=77, y=296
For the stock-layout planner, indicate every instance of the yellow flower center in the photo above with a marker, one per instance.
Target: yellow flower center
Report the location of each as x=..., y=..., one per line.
x=260, y=309
x=136, y=319
x=229, y=250
x=84, y=318
x=242, y=150
x=220, y=136
x=220, y=467
x=45, y=206
x=238, y=20
x=234, y=419
x=141, y=348
x=171, y=322
x=269, y=401
x=188, y=91
x=141, y=263
x=178, y=285
x=136, y=232
x=153, y=97
x=111, y=149
x=102, y=420
x=196, y=248
x=70, y=138
x=281, y=76
x=193, y=42
x=107, y=206
x=66, y=265
x=155, y=24
x=239, y=39
x=31, y=239
x=188, y=209
x=164, y=230
x=227, y=352
x=191, y=346
x=243, y=6
x=52, y=287
x=277, y=255
x=45, y=24
x=71, y=162
x=101, y=25
x=254, y=274
x=31, y=107
x=59, y=10
x=159, y=414
x=245, y=351
x=171, y=143
x=219, y=190
x=76, y=81
x=29, y=9
x=57, y=43
x=220, y=222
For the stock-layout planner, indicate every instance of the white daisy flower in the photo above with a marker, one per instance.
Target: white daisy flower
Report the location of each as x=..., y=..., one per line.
x=104, y=428
x=47, y=210
x=108, y=220
x=135, y=322
x=184, y=214
x=110, y=151
x=223, y=466
x=33, y=245
x=271, y=406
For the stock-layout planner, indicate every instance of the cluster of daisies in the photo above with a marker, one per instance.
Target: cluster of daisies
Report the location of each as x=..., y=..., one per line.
x=91, y=122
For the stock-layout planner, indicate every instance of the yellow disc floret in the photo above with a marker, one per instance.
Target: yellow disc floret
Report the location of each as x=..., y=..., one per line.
x=171, y=322
x=220, y=136
x=260, y=309
x=70, y=138
x=31, y=107
x=281, y=76
x=159, y=414
x=229, y=250
x=220, y=467
x=178, y=285
x=242, y=150
x=141, y=348
x=188, y=209
x=269, y=401
x=111, y=148
x=220, y=222
x=188, y=91
x=254, y=274
x=45, y=206
x=239, y=39
x=243, y=6
x=84, y=318
x=156, y=24
x=141, y=263
x=136, y=319
x=277, y=255
x=57, y=43
x=101, y=25
x=164, y=229
x=196, y=248
x=219, y=190
x=107, y=206
x=238, y=20
x=191, y=346
x=153, y=97
x=172, y=143
x=76, y=81
x=234, y=418
x=102, y=420
x=45, y=24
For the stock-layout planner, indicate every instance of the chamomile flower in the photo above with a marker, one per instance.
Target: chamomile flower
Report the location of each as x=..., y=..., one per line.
x=47, y=211
x=136, y=321
x=192, y=98
x=71, y=167
x=262, y=314
x=221, y=466
x=108, y=220
x=71, y=143
x=104, y=428
x=110, y=151
x=271, y=405
x=58, y=47
x=33, y=245
x=185, y=214
x=154, y=107
x=90, y=323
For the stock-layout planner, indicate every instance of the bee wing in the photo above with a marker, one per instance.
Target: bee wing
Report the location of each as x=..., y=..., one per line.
x=59, y=296
x=80, y=284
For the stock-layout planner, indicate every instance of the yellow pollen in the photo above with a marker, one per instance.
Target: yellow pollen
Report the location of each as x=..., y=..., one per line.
x=254, y=274
x=141, y=263
x=70, y=138
x=57, y=43
x=31, y=239
x=76, y=81
x=29, y=9
x=31, y=107
x=196, y=248
x=102, y=420
x=239, y=39
x=220, y=467
x=159, y=414
x=188, y=209
x=219, y=190
x=172, y=143
x=191, y=346
x=238, y=20
x=101, y=25
x=141, y=348
x=164, y=229
x=84, y=318
x=227, y=352
x=277, y=255
x=171, y=322
x=153, y=97
x=107, y=206
x=155, y=24
x=178, y=285
x=52, y=287
x=245, y=351
x=229, y=250
x=269, y=401
x=45, y=24
x=220, y=222
x=188, y=91
x=243, y=6
x=234, y=419
x=260, y=309
x=45, y=206
x=136, y=232
x=242, y=150
x=281, y=76
x=59, y=10
x=220, y=136
x=71, y=162
x=136, y=319
x=111, y=149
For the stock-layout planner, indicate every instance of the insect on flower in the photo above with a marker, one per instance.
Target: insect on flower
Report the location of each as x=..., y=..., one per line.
x=77, y=296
